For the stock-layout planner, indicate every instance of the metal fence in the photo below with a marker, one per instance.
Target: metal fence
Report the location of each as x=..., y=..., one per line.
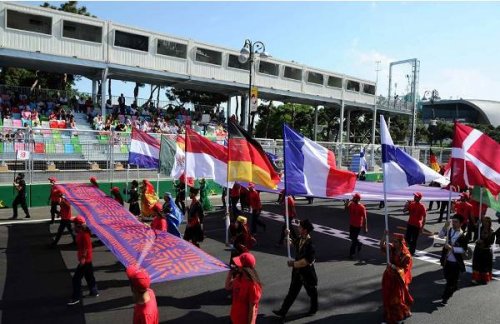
x=75, y=155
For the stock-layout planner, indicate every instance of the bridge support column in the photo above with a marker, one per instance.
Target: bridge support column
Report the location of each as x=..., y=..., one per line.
x=316, y=123
x=94, y=92
x=374, y=125
x=348, y=138
x=341, y=137
x=103, y=92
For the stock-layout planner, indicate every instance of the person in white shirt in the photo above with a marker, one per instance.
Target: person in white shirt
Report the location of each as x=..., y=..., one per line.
x=452, y=255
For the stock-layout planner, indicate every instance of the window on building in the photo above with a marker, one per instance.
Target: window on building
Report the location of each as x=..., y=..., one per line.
x=315, y=77
x=234, y=63
x=29, y=22
x=335, y=82
x=352, y=85
x=208, y=56
x=269, y=68
x=170, y=48
x=369, y=89
x=293, y=73
x=132, y=41
x=81, y=31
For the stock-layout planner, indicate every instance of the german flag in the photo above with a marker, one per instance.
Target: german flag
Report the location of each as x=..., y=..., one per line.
x=247, y=161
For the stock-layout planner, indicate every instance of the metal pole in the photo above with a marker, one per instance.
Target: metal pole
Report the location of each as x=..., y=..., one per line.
x=386, y=215
x=287, y=228
x=348, y=131
x=126, y=183
x=341, y=137
x=103, y=93
x=158, y=184
x=479, y=221
x=248, y=112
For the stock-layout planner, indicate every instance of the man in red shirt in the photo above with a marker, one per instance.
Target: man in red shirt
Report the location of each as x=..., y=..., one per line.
x=65, y=214
x=145, y=309
x=292, y=213
x=416, y=222
x=85, y=267
x=53, y=199
x=463, y=207
x=357, y=220
x=256, y=206
x=159, y=222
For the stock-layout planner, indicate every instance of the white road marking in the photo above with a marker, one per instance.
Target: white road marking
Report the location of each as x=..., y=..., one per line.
x=374, y=243
x=25, y=221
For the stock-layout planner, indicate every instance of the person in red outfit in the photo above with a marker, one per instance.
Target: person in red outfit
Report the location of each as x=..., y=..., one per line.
x=357, y=220
x=53, y=200
x=292, y=213
x=93, y=181
x=463, y=207
x=416, y=222
x=396, y=279
x=115, y=192
x=85, y=267
x=65, y=214
x=244, y=283
x=159, y=222
x=476, y=214
x=234, y=197
x=145, y=309
x=256, y=206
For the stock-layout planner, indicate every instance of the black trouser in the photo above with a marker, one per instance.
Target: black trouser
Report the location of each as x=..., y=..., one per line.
x=84, y=270
x=256, y=221
x=62, y=225
x=53, y=210
x=293, y=291
x=234, y=206
x=283, y=228
x=355, y=243
x=451, y=274
x=411, y=237
x=438, y=203
x=20, y=200
x=223, y=197
x=442, y=210
x=471, y=230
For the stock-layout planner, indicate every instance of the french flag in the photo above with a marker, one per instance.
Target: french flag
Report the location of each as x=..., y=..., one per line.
x=310, y=168
x=144, y=150
x=400, y=169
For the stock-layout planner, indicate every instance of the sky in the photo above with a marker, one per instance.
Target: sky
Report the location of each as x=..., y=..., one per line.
x=457, y=43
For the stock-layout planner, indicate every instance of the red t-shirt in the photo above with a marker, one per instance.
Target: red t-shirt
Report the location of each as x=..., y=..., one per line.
x=53, y=197
x=244, y=292
x=357, y=214
x=159, y=224
x=463, y=208
x=254, y=198
x=234, y=191
x=417, y=214
x=65, y=210
x=84, y=246
x=147, y=313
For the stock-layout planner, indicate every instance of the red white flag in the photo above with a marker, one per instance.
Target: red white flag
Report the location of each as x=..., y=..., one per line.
x=205, y=159
x=474, y=161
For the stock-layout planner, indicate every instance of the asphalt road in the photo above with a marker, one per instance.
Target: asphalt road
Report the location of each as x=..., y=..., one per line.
x=37, y=279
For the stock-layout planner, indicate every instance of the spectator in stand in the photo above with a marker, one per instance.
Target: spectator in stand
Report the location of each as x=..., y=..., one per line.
x=34, y=117
x=121, y=104
x=26, y=114
x=98, y=122
x=89, y=105
x=81, y=104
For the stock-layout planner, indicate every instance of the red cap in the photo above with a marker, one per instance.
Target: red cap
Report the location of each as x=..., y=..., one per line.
x=357, y=195
x=138, y=277
x=115, y=189
x=245, y=260
x=93, y=179
x=418, y=195
x=157, y=208
x=53, y=179
x=78, y=220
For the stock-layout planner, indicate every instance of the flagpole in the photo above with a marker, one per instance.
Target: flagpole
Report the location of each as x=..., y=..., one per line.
x=480, y=212
x=227, y=221
x=185, y=175
x=287, y=221
x=126, y=183
x=159, y=169
x=386, y=217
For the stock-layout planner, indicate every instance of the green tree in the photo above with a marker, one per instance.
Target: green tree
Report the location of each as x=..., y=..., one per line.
x=300, y=117
x=40, y=79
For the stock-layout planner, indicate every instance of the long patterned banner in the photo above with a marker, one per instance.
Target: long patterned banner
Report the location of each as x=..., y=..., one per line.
x=164, y=256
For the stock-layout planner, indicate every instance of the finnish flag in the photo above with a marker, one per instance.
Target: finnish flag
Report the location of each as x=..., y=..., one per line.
x=400, y=169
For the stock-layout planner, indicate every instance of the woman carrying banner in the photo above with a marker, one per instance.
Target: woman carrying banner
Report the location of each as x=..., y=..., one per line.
x=194, y=231
x=148, y=199
x=173, y=214
x=205, y=201
x=482, y=260
x=159, y=222
x=115, y=193
x=397, y=276
x=242, y=240
x=244, y=283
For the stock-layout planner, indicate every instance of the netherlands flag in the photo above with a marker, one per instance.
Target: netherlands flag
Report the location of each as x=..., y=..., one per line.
x=144, y=150
x=401, y=170
x=310, y=168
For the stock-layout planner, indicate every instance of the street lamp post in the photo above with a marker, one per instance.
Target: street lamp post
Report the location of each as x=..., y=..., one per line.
x=247, y=54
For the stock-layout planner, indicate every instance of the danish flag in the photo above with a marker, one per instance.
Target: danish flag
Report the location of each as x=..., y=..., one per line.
x=473, y=159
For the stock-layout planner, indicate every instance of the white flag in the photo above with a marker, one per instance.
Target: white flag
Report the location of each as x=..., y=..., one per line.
x=23, y=155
